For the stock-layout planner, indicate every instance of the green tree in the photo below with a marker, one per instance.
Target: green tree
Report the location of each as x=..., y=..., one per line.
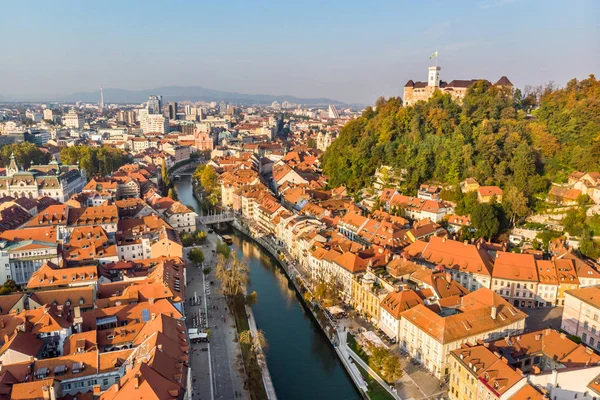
x=96, y=161
x=514, y=204
x=587, y=246
x=8, y=287
x=574, y=221
x=173, y=194
x=26, y=153
x=467, y=204
x=196, y=257
x=223, y=249
x=485, y=221
x=166, y=179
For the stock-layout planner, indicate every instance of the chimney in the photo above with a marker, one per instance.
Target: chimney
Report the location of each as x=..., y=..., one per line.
x=493, y=312
x=151, y=301
x=466, y=242
x=46, y=392
x=136, y=380
x=478, y=245
x=96, y=391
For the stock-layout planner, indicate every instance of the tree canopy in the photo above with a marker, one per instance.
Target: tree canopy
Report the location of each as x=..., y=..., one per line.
x=26, y=153
x=96, y=160
x=488, y=136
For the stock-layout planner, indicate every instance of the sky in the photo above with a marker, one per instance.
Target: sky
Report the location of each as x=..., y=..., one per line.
x=351, y=51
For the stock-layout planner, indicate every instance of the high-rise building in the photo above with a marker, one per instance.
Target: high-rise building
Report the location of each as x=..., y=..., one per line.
x=154, y=104
x=72, y=119
x=127, y=116
x=48, y=114
x=333, y=112
x=101, y=98
x=188, y=109
x=155, y=123
x=222, y=107
x=172, y=110
x=275, y=104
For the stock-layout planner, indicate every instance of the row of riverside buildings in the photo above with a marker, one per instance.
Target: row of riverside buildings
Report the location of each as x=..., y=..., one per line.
x=449, y=304
x=100, y=310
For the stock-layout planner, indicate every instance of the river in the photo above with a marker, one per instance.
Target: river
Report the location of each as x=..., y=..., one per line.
x=302, y=362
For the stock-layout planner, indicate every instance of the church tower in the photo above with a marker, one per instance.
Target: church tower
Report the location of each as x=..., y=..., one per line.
x=434, y=76
x=13, y=168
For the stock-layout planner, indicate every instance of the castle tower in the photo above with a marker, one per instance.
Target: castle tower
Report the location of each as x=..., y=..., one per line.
x=434, y=76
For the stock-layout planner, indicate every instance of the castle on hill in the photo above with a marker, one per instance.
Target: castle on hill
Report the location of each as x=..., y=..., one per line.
x=416, y=91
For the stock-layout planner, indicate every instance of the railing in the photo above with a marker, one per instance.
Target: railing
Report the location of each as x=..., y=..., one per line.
x=227, y=216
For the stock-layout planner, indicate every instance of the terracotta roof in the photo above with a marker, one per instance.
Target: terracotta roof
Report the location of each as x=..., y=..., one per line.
x=489, y=368
x=351, y=262
x=555, y=345
x=78, y=342
x=487, y=191
x=458, y=256
x=143, y=382
x=77, y=296
x=31, y=390
x=396, y=303
x=50, y=276
x=514, y=266
x=589, y=295
x=474, y=317
x=8, y=301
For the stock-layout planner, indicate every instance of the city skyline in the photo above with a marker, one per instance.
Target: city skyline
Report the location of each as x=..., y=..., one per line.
x=344, y=51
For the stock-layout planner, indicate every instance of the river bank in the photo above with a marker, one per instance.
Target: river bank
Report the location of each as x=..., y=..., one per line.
x=301, y=289
x=301, y=360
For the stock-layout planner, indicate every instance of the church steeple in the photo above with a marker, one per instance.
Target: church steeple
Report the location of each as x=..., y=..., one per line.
x=13, y=167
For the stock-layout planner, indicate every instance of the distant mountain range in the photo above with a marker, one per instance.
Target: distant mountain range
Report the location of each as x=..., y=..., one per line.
x=191, y=93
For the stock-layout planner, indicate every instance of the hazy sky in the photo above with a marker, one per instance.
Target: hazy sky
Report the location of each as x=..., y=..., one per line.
x=353, y=51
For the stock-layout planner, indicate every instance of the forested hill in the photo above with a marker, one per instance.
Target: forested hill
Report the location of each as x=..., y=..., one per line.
x=488, y=137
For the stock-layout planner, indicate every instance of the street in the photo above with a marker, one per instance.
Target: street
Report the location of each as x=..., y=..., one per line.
x=217, y=372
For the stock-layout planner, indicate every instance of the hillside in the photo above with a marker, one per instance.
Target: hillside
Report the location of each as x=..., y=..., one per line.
x=488, y=137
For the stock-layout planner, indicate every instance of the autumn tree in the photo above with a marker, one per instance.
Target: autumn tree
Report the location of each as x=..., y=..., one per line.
x=515, y=204
x=233, y=274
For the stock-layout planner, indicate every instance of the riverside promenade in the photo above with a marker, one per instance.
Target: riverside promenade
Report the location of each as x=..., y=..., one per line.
x=345, y=354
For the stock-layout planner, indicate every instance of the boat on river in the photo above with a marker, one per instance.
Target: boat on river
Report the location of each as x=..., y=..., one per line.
x=227, y=239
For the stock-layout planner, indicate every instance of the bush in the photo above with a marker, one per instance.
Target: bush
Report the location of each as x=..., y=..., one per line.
x=223, y=249
x=193, y=239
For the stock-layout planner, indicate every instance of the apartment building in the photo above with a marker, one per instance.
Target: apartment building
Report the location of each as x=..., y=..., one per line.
x=429, y=337
x=581, y=315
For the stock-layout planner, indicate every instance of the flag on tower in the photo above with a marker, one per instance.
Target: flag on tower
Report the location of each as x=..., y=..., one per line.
x=434, y=55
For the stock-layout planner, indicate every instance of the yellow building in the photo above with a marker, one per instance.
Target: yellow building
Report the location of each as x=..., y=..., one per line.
x=477, y=373
x=367, y=295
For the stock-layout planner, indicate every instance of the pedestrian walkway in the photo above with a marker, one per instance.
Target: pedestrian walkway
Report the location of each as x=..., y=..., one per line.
x=266, y=375
x=347, y=352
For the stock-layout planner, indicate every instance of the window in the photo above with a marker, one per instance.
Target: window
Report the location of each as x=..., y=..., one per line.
x=584, y=337
x=592, y=341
